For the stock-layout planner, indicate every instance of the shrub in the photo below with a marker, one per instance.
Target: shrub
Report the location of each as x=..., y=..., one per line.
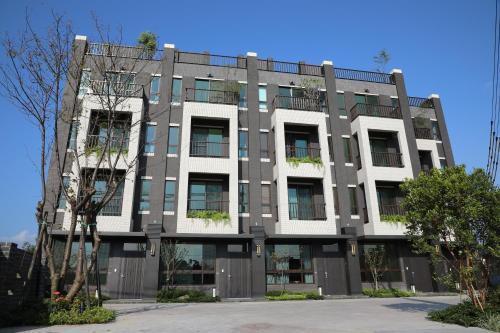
x=178, y=295
x=464, y=314
x=278, y=295
x=383, y=293
x=209, y=215
x=93, y=315
x=490, y=321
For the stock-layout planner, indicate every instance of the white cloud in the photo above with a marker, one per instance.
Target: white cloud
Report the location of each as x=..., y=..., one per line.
x=21, y=237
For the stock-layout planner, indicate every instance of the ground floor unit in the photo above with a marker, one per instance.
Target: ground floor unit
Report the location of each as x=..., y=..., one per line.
x=136, y=267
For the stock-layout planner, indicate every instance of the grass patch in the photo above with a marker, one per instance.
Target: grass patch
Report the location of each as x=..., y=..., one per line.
x=466, y=314
x=179, y=295
x=393, y=218
x=278, y=295
x=209, y=215
x=295, y=161
x=385, y=293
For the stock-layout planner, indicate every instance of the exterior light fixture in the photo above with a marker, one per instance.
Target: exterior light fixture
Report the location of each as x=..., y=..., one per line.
x=258, y=250
x=152, y=250
x=353, y=249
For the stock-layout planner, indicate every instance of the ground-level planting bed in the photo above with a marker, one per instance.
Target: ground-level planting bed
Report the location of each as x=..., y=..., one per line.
x=179, y=295
x=285, y=295
x=383, y=293
x=465, y=314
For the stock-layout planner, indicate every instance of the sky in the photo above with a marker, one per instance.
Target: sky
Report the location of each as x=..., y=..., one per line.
x=443, y=47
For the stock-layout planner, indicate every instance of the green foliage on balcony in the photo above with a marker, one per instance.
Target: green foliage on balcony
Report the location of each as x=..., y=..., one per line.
x=209, y=215
x=295, y=161
x=393, y=218
x=99, y=151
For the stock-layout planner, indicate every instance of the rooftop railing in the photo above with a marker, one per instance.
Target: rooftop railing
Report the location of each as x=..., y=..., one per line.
x=421, y=102
x=357, y=75
x=123, y=51
x=289, y=67
x=299, y=103
x=210, y=59
x=373, y=110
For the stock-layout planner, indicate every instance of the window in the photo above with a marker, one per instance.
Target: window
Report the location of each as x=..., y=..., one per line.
x=62, y=198
x=341, y=99
x=145, y=191
x=195, y=267
x=289, y=264
x=84, y=83
x=73, y=134
x=176, y=90
x=243, y=96
x=243, y=144
x=347, y=150
x=395, y=102
x=154, y=93
x=173, y=139
x=169, y=202
x=330, y=148
x=301, y=203
x=208, y=142
x=206, y=195
x=264, y=145
x=266, y=199
x=436, y=135
x=366, y=99
x=443, y=163
x=336, y=201
x=209, y=91
x=262, y=98
x=353, y=200
x=121, y=83
x=391, y=270
x=114, y=206
x=243, y=200
x=149, y=144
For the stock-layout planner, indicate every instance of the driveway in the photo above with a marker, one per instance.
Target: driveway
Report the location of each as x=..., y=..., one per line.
x=401, y=315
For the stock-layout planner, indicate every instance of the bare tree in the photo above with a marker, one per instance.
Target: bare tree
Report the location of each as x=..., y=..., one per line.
x=280, y=261
x=171, y=257
x=375, y=260
x=381, y=60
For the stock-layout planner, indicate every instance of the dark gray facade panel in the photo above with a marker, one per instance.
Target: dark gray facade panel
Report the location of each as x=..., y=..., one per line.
x=286, y=79
x=440, y=149
x=450, y=160
x=362, y=86
x=203, y=71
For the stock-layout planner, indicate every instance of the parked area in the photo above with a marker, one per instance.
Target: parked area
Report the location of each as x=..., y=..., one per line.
x=402, y=315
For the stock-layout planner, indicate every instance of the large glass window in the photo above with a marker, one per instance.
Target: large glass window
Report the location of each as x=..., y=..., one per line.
x=207, y=142
x=347, y=150
x=264, y=145
x=149, y=144
x=289, y=264
x=436, y=135
x=62, y=198
x=266, y=199
x=205, y=196
x=353, y=201
x=341, y=100
x=300, y=202
x=169, y=202
x=243, y=200
x=243, y=144
x=121, y=83
x=114, y=206
x=243, y=96
x=195, y=264
x=145, y=192
x=173, y=139
x=366, y=99
x=262, y=98
x=176, y=90
x=154, y=92
x=390, y=268
x=84, y=83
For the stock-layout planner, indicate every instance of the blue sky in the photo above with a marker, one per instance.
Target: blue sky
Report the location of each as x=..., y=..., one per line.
x=443, y=47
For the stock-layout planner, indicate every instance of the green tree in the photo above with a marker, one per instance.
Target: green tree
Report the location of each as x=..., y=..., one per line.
x=381, y=60
x=454, y=217
x=375, y=259
x=148, y=41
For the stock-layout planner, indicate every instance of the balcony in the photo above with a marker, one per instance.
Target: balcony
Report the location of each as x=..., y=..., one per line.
x=302, y=152
x=372, y=110
x=391, y=209
x=212, y=96
x=306, y=211
x=423, y=133
x=202, y=205
x=120, y=89
x=209, y=149
x=387, y=159
x=299, y=103
x=115, y=143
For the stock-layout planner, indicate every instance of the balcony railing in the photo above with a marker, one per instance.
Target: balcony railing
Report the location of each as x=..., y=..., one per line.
x=112, y=208
x=387, y=159
x=122, y=51
x=114, y=142
x=423, y=133
x=299, y=103
x=210, y=59
x=300, y=152
x=212, y=96
x=391, y=210
x=289, y=67
x=353, y=74
x=371, y=110
x=209, y=149
x=421, y=102
x=300, y=211
x=116, y=88
x=196, y=205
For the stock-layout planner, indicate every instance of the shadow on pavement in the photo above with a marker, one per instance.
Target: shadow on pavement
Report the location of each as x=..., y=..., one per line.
x=417, y=305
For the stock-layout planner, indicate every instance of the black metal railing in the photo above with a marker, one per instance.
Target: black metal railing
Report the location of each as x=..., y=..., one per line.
x=391, y=209
x=112, y=208
x=373, y=110
x=212, y=96
x=197, y=205
x=209, y=149
x=123, y=51
x=421, y=102
x=289, y=67
x=387, y=159
x=423, y=133
x=210, y=59
x=299, y=152
x=299, y=103
x=357, y=75
x=303, y=211
x=114, y=142
x=121, y=89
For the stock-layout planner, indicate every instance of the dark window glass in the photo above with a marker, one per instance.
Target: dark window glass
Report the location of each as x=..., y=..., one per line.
x=443, y=163
x=330, y=148
x=336, y=201
x=264, y=145
x=173, y=139
x=169, y=203
x=243, y=96
x=347, y=150
x=390, y=268
x=62, y=198
x=243, y=144
x=436, y=135
x=290, y=264
x=176, y=90
x=266, y=199
x=149, y=145
x=353, y=200
x=145, y=191
x=73, y=134
x=341, y=100
x=206, y=195
x=262, y=98
x=243, y=200
x=84, y=83
x=395, y=102
x=154, y=93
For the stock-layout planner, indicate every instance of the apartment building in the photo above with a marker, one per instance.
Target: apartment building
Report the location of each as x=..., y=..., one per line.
x=261, y=172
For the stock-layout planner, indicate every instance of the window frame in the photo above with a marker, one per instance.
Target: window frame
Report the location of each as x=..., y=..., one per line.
x=169, y=198
x=243, y=198
x=154, y=96
x=176, y=96
x=242, y=149
x=173, y=149
x=145, y=198
x=149, y=138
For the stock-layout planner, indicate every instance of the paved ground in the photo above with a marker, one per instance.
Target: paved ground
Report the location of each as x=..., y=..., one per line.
x=403, y=315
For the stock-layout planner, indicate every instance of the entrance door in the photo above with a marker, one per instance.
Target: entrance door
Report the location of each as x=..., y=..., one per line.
x=238, y=276
x=418, y=272
x=131, y=274
x=334, y=282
